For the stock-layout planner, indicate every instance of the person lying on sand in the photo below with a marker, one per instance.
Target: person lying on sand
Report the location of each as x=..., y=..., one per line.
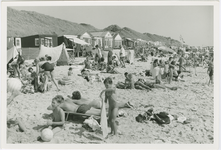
x=68, y=105
x=144, y=85
x=131, y=84
x=77, y=99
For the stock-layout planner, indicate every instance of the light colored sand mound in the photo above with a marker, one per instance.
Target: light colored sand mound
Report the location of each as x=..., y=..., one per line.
x=194, y=101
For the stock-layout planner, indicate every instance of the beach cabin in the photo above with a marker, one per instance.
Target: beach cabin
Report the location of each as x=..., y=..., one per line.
x=102, y=39
x=38, y=40
x=74, y=44
x=30, y=45
x=87, y=37
x=16, y=41
x=128, y=42
x=117, y=41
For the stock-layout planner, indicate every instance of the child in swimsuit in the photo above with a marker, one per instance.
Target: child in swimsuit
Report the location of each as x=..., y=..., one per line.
x=110, y=96
x=58, y=118
x=70, y=71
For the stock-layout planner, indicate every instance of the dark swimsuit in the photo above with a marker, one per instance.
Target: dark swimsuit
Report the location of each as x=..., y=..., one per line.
x=47, y=67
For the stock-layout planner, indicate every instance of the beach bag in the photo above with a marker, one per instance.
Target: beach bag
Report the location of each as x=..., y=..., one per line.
x=162, y=118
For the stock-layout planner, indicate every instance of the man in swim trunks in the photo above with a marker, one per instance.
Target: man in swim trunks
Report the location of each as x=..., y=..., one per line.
x=68, y=105
x=77, y=99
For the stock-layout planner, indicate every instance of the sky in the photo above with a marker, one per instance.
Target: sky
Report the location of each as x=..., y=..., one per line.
x=193, y=23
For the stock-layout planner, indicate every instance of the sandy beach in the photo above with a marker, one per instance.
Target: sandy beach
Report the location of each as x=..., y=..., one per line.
x=194, y=100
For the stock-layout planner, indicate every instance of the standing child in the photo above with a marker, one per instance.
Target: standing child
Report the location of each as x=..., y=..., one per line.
x=110, y=96
x=34, y=78
x=70, y=71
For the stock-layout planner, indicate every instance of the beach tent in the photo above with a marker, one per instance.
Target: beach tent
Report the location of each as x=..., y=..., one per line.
x=64, y=58
x=163, y=48
x=59, y=54
x=74, y=39
x=11, y=53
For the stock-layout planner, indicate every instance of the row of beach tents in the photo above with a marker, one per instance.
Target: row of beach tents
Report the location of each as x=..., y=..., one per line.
x=59, y=54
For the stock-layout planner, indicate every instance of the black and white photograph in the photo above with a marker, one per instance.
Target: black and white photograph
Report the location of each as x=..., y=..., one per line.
x=110, y=74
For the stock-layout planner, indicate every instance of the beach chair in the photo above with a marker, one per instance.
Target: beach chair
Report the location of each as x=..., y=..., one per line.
x=80, y=114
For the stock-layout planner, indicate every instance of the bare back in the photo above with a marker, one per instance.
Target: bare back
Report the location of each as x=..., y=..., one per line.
x=69, y=106
x=111, y=97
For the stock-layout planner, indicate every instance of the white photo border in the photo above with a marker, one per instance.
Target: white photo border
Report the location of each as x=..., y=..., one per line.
x=216, y=24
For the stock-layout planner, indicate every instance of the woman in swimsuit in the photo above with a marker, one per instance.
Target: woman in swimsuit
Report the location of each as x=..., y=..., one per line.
x=48, y=70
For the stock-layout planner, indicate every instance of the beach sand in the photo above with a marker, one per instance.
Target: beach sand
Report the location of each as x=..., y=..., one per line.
x=194, y=100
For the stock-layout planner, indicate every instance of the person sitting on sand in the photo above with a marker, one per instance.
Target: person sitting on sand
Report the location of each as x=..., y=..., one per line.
x=115, y=62
x=70, y=71
x=58, y=116
x=111, y=97
x=87, y=63
x=77, y=99
x=102, y=65
x=111, y=69
x=125, y=84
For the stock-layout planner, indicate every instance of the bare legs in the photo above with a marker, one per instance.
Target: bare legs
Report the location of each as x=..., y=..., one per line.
x=52, y=77
x=47, y=75
x=112, y=120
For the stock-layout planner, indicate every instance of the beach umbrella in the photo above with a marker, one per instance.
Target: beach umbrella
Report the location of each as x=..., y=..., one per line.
x=163, y=48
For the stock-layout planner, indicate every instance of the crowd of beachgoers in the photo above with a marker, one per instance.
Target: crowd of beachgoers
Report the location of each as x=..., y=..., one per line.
x=147, y=100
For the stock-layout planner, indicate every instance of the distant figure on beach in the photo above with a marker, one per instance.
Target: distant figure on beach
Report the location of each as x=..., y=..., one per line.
x=110, y=97
x=87, y=63
x=16, y=64
x=109, y=57
x=34, y=78
x=122, y=56
x=98, y=54
x=70, y=71
x=194, y=60
x=210, y=72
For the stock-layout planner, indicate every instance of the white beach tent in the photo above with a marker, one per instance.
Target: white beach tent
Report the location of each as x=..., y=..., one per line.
x=11, y=53
x=74, y=39
x=163, y=48
x=58, y=54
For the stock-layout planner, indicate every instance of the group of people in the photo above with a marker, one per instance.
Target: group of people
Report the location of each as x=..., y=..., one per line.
x=39, y=79
x=76, y=103
x=171, y=68
x=160, y=69
x=96, y=61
